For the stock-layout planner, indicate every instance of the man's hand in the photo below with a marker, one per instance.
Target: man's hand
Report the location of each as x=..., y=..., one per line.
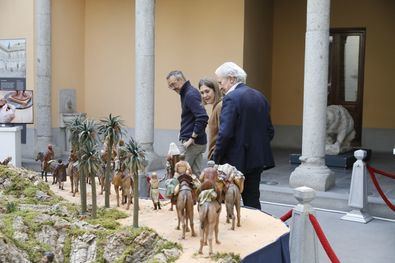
x=188, y=143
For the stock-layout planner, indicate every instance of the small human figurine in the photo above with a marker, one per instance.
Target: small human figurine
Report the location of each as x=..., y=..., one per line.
x=154, y=190
x=173, y=156
x=182, y=167
x=49, y=155
x=60, y=173
x=209, y=178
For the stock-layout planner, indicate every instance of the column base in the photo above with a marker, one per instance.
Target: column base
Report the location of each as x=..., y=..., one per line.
x=320, y=177
x=357, y=216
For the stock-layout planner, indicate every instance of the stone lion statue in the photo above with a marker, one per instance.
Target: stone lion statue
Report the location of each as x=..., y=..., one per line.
x=339, y=130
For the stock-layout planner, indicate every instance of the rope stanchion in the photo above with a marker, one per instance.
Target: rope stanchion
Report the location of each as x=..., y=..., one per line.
x=381, y=192
x=387, y=174
x=324, y=241
x=286, y=216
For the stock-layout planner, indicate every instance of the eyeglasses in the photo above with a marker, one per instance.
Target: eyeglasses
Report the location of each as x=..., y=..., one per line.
x=172, y=85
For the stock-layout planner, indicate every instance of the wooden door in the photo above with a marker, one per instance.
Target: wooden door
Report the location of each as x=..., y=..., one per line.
x=346, y=73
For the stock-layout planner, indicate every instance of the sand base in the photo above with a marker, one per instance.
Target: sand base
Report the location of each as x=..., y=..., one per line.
x=257, y=229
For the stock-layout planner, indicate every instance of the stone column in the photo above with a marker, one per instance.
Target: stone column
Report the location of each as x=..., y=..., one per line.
x=43, y=119
x=303, y=241
x=313, y=172
x=145, y=84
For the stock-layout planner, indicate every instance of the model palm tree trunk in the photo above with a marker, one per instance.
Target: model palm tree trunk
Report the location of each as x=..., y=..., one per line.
x=136, y=199
x=83, y=191
x=107, y=181
x=94, y=200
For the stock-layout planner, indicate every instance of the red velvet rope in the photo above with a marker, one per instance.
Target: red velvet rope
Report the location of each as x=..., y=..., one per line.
x=286, y=216
x=324, y=241
x=376, y=184
x=390, y=175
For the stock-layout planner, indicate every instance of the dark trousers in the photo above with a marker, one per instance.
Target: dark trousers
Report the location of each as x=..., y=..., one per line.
x=251, y=188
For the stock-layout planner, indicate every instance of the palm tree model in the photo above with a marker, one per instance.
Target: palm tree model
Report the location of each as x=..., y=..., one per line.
x=75, y=127
x=87, y=142
x=89, y=165
x=111, y=130
x=134, y=163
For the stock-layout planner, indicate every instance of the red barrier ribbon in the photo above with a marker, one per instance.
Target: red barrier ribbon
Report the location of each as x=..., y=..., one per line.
x=390, y=175
x=376, y=184
x=324, y=241
x=286, y=216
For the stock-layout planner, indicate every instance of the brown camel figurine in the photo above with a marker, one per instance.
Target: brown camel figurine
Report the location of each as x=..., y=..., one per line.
x=185, y=204
x=72, y=172
x=209, y=211
x=232, y=199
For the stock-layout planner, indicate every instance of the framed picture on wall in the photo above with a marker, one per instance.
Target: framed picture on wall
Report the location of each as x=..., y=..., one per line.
x=12, y=64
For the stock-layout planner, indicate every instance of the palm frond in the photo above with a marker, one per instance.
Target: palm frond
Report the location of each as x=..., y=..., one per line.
x=136, y=158
x=90, y=160
x=88, y=133
x=74, y=127
x=111, y=128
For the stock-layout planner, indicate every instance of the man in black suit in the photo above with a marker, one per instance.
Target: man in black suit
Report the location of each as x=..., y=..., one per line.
x=245, y=130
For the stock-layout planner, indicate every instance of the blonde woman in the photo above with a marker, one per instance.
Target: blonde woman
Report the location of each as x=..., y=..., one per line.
x=211, y=95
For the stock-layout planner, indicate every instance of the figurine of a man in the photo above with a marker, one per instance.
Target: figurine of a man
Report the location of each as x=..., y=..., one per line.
x=154, y=190
x=49, y=155
x=209, y=178
x=182, y=167
x=173, y=156
x=60, y=173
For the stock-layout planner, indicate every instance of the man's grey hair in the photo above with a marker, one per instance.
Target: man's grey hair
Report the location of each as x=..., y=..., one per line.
x=231, y=69
x=177, y=74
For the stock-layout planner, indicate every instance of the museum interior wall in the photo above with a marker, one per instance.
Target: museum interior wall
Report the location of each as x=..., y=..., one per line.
x=258, y=39
x=197, y=45
x=289, y=24
x=190, y=45
x=68, y=52
x=93, y=52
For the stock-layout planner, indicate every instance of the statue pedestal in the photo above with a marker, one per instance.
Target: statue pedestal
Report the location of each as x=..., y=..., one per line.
x=344, y=160
x=10, y=138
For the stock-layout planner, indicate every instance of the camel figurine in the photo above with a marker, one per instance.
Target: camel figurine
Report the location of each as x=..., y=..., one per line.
x=181, y=167
x=209, y=211
x=233, y=185
x=209, y=207
x=73, y=173
x=185, y=204
x=123, y=181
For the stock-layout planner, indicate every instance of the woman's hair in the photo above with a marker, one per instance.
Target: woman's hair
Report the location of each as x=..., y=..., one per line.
x=212, y=84
x=231, y=69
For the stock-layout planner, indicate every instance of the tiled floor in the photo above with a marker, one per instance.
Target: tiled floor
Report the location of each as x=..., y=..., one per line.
x=279, y=176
